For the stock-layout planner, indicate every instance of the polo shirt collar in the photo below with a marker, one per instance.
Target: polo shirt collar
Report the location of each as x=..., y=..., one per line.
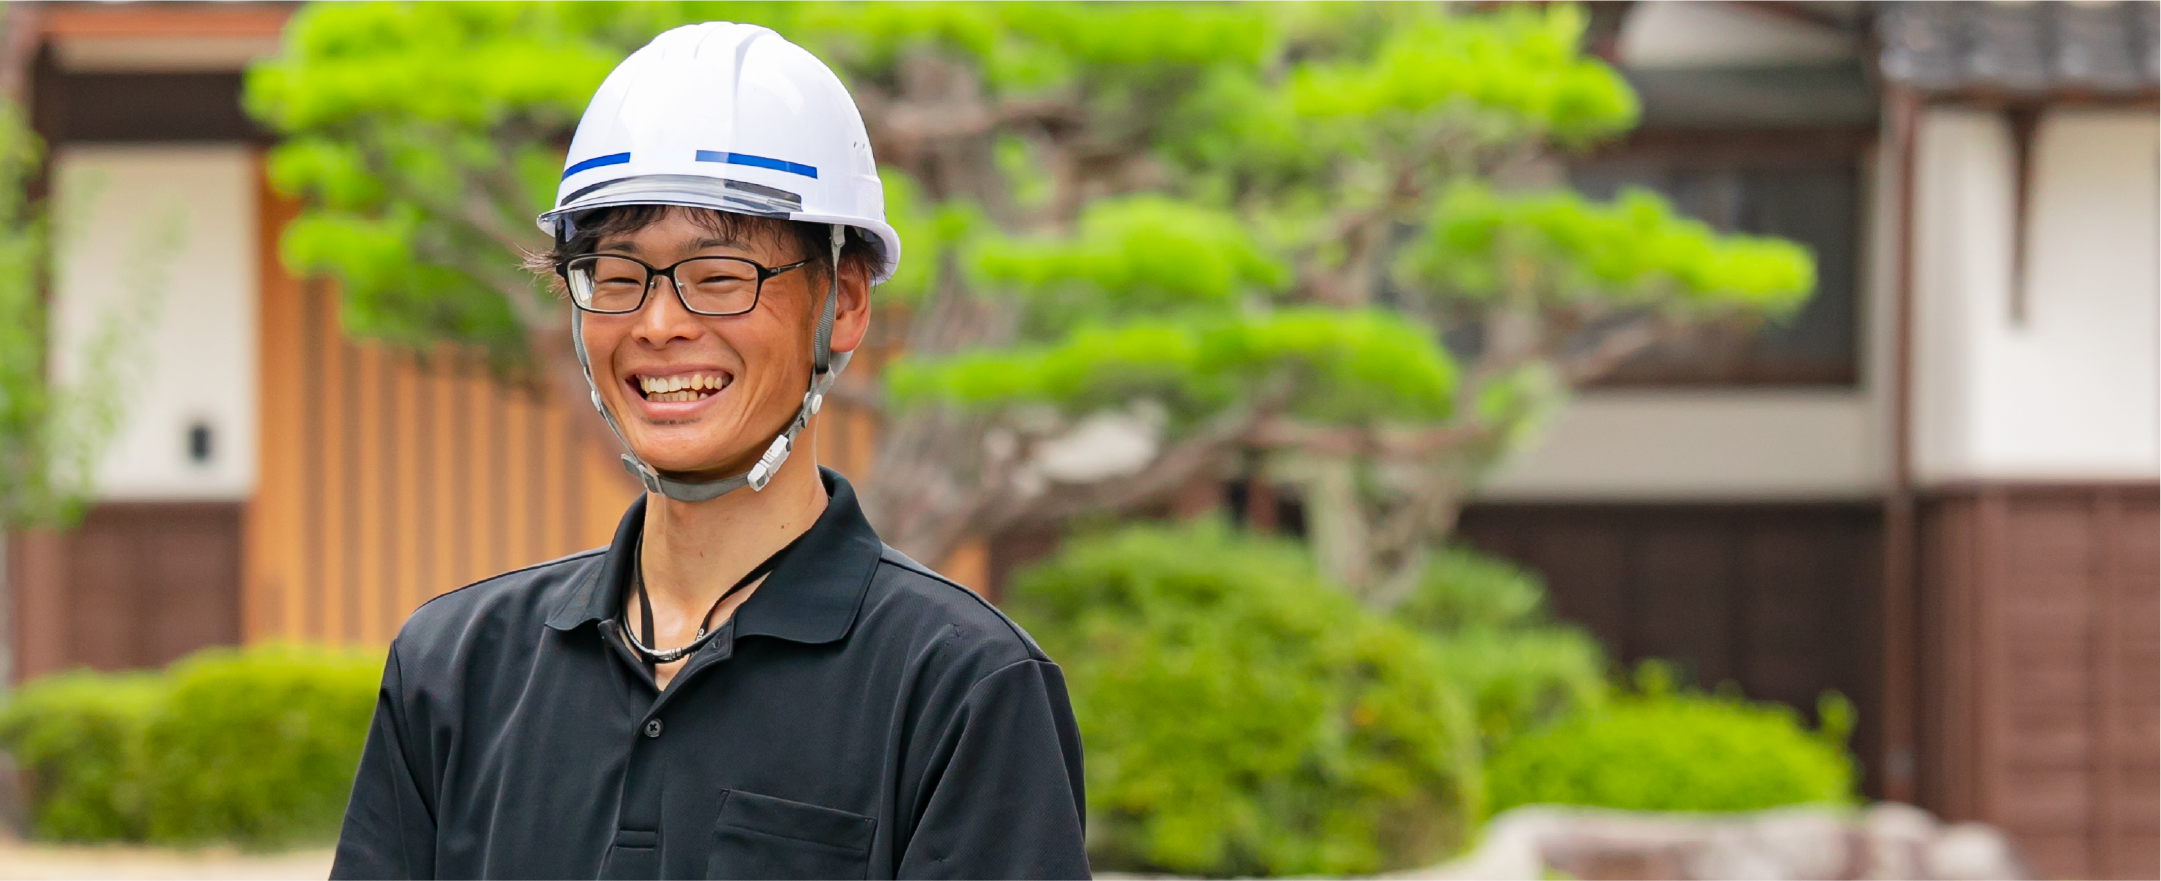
x=812, y=597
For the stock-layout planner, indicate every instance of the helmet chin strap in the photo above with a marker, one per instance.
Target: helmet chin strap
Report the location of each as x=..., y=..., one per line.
x=826, y=366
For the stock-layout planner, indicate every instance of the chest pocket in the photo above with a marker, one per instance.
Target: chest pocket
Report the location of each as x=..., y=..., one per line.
x=759, y=836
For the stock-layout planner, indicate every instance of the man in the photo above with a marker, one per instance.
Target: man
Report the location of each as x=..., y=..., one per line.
x=746, y=683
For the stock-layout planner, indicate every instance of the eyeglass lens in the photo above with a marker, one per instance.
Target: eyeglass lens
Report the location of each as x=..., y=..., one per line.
x=709, y=285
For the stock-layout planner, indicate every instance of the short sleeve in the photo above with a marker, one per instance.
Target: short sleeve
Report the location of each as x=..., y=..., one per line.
x=1008, y=801
x=389, y=830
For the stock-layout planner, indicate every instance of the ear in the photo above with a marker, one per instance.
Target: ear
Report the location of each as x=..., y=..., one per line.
x=851, y=316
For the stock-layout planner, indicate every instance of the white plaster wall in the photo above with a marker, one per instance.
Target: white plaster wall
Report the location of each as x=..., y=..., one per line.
x=1677, y=34
x=2071, y=392
x=199, y=358
x=1702, y=445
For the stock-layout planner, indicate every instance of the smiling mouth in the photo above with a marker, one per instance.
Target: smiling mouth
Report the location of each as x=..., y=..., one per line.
x=680, y=388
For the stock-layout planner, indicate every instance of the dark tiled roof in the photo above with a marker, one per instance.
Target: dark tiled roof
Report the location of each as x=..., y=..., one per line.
x=2022, y=47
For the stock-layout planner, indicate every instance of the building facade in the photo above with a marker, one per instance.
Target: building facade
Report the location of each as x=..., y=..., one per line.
x=1938, y=496
x=1933, y=490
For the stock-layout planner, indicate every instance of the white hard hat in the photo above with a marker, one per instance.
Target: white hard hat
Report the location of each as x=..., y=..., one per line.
x=731, y=117
x=734, y=118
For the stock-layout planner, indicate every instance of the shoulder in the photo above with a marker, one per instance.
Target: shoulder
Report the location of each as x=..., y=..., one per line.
x=483, y=611
x=909, y=601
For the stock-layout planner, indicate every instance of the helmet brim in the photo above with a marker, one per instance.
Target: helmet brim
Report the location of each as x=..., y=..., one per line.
x=718, y=194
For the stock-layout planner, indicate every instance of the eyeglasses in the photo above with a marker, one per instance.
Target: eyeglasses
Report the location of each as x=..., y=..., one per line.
x=716, y=286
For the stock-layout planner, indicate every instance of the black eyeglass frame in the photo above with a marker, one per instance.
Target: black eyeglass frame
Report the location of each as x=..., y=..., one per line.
x=652, y=272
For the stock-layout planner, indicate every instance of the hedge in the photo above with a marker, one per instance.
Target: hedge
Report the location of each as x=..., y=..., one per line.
x=1243, y=717
x=1489, y=619
x=80, y=735
x=252, y=746
x=1663, y=750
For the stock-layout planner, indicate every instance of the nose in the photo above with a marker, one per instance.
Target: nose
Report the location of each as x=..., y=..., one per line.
x=663, y=317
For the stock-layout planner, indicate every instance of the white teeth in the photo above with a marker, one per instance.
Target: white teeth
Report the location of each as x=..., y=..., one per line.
x=681, y=387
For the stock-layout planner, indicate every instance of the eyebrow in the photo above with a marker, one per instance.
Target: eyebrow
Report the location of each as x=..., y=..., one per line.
x=623, y=246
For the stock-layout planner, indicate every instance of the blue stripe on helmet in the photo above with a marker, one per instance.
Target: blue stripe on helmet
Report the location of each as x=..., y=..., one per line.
x=597, y=162
x=757, y=162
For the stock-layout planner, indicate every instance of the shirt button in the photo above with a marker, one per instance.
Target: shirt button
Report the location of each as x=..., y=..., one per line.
x=652, y=728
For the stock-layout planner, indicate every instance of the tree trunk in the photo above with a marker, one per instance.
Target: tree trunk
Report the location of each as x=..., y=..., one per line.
x=927, y=490
x=1337, y=523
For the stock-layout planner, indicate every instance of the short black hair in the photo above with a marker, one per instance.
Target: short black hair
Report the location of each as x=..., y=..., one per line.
x=813, y=241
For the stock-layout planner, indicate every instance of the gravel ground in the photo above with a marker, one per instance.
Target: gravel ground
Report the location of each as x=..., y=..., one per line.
x=27, y=860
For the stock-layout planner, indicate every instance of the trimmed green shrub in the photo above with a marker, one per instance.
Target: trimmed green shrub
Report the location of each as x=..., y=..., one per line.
x=1669, y=751
x=253, y=746
x=79, y=734
x=1488, y=617
x=1242, y=716
x=1466, y=590
x=1523, y=679
x=258, y=746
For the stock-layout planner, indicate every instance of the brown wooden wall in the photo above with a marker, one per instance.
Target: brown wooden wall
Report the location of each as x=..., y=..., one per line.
x=137, y=584
x=1779, y=599
x=386, y=481
x=2041, y=679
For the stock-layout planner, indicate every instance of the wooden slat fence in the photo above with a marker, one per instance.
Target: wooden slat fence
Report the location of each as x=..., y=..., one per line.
x=387, y=479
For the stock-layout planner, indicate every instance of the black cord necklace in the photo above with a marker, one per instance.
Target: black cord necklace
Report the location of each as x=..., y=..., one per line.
x=655, y=656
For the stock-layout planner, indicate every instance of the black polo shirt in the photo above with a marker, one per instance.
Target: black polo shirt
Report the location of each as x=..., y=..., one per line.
x=858, y=717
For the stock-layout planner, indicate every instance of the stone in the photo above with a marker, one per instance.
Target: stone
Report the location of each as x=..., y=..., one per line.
x=1797, y=842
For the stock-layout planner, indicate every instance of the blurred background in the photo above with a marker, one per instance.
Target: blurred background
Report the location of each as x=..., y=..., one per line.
x=1389, y=414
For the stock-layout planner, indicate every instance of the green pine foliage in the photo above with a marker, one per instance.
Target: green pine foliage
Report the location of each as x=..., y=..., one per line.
x=1515, y=75
x=1663, y=750
x=251, y=746
x=1560, y=247
x=425, y=137
x=1132, y=256
x=1231, y=215
x=421, y=136
x=1328, y=364
x=1242, y=717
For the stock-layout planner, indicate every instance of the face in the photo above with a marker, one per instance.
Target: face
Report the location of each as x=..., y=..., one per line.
x=701, y=395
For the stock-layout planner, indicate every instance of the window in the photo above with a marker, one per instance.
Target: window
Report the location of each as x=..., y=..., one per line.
x=1800, y=185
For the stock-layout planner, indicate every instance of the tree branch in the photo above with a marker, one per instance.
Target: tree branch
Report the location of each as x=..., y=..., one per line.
x=1401, y=444
x=1609, y=352
x=1166, y=474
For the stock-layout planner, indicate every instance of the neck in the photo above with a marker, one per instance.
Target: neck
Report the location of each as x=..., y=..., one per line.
x=694, y=551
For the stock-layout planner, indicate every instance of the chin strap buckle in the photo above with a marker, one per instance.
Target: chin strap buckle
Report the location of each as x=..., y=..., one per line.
x=770, y=462
x=646, y=476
